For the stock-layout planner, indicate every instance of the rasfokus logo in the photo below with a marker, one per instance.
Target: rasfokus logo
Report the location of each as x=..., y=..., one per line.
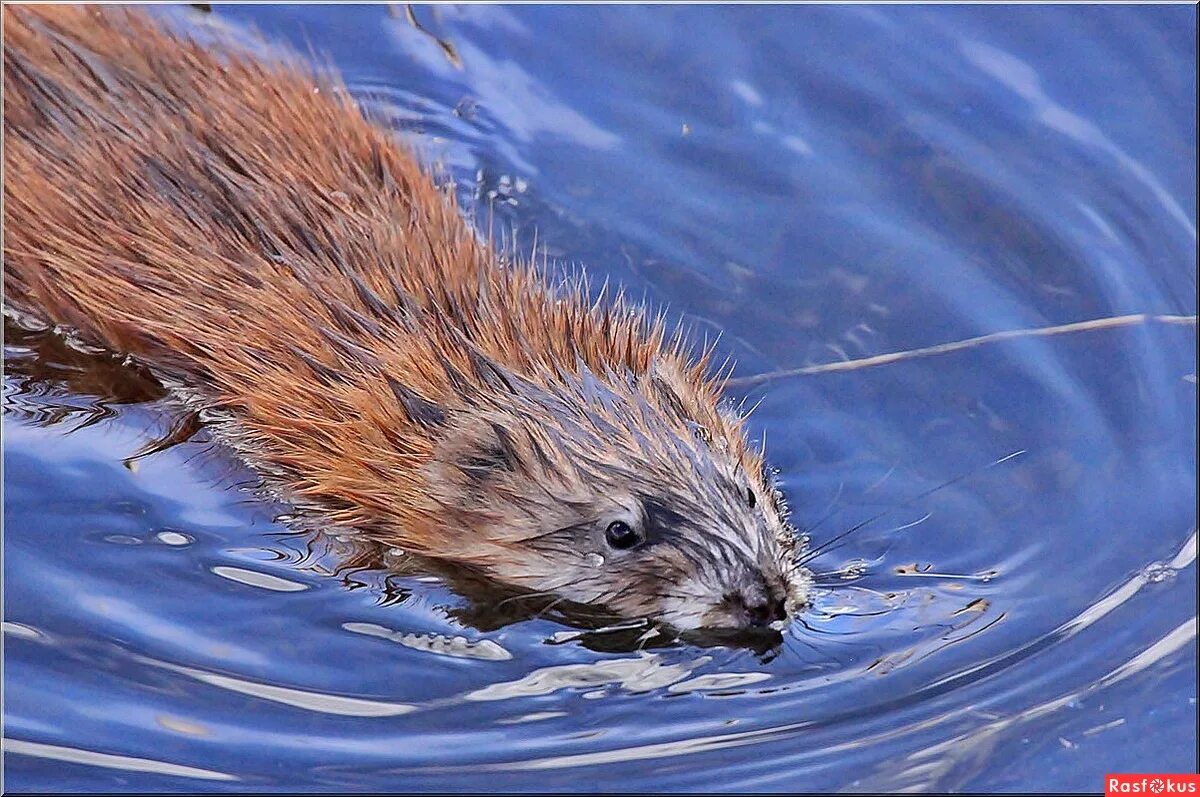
x=1158, y=783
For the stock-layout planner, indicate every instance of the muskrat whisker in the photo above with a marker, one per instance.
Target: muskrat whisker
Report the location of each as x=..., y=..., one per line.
x=886, y=596
x=551, y=533
x=525, y=596
x=616, y=595
x=812, y=553
x=828, y=550
x=907, y=526
x=875, y=484
x=553, y=591
x=824, y=547
x=830, y=573
x=548, y=607
x=830, y=510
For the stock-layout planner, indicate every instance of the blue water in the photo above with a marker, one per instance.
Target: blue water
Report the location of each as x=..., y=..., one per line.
x=815, y=183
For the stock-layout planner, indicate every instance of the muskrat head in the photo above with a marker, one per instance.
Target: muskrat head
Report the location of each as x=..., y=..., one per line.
x=637, y=493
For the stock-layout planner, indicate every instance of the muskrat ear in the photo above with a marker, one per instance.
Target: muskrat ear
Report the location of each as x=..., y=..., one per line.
x=492, y=452
x=420, y=410
x=663, y=386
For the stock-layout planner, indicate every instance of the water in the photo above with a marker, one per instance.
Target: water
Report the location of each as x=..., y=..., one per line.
x=816, y=183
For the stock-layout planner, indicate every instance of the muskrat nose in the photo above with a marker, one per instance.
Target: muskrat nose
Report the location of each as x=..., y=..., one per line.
x=766, y=612
x=760, y=611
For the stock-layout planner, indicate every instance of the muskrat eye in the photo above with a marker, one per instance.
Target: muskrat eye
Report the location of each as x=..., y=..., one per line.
x=621, y=535
x=750, y=499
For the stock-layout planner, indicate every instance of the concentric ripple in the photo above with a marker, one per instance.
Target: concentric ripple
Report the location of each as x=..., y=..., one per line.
x=1013, y=607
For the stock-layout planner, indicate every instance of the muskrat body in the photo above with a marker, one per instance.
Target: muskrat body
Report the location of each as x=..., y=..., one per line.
x=238, y=226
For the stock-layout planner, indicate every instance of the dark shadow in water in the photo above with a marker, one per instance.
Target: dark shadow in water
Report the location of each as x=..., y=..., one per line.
x=43, y=360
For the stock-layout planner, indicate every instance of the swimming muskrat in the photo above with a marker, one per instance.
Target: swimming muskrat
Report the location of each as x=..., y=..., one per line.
x=239, y=227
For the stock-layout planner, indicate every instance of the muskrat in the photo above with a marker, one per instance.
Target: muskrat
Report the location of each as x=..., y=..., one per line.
x=237, y=225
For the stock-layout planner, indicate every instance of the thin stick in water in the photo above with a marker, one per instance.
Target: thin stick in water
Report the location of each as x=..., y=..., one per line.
x=944, y=348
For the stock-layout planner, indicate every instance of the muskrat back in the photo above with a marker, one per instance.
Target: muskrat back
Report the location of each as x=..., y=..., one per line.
x=237, y=225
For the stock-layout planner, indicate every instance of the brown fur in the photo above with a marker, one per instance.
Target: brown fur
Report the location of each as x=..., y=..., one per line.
x=240, y=227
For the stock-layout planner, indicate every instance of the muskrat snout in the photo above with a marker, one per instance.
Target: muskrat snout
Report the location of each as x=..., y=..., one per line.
x=756, y=609
x=761, y=602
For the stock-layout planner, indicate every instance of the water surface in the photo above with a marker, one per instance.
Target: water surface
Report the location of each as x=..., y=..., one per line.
x=815, y=184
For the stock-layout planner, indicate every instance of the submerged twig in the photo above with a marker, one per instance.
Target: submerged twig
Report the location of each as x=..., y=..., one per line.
x=444, y=45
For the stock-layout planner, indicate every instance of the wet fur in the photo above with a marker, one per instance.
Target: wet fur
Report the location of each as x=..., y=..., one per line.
x=237, y=225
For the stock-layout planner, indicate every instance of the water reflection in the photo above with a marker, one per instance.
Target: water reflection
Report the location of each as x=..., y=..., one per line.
x=818, y=185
